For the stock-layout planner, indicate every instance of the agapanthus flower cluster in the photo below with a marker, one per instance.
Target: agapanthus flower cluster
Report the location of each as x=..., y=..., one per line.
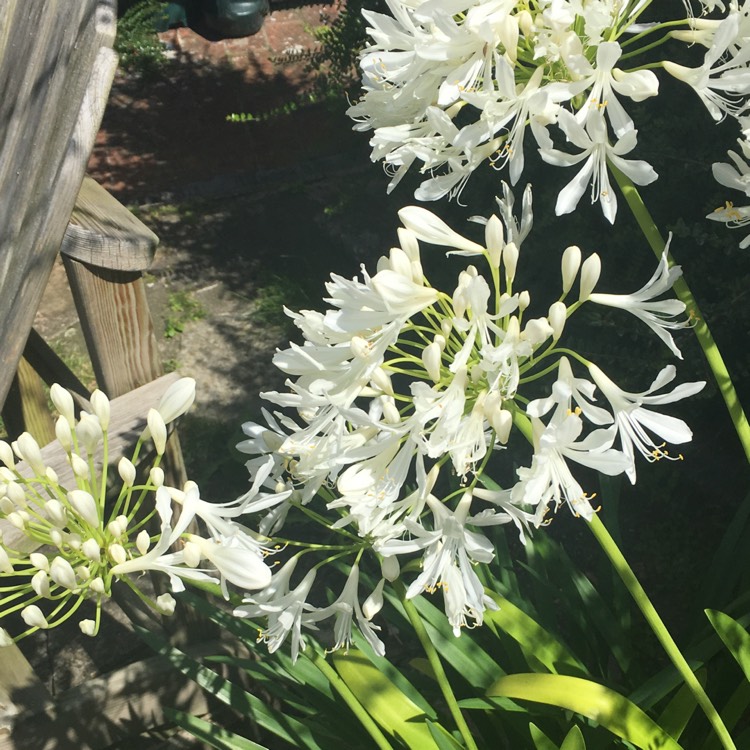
x=85, y=540
x=403, y=396
x=448, y=86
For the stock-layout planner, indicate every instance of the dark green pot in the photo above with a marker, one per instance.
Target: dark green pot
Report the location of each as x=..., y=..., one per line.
x=235, y=18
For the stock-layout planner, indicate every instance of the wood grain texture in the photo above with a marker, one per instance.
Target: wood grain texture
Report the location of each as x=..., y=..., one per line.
x=55, y=72
x=103, y=233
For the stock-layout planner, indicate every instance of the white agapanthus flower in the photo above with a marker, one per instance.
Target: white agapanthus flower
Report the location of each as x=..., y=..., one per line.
x=405, y=396
x=735, y=176
x=91, y=540
x=448, y=86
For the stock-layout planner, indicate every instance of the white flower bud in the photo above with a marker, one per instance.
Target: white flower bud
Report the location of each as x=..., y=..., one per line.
x=7, y=506
x=56, y=513
x=6, y=566
x=537, y=331
x=571, y=262
x=75, y=541
x=494, y=240
x=126, y=470
x=97, y=586
x=177, y=399
x=85, y=505
x=400, y=262
x=6, y=474
x=431, y=359
x=590, y=271
x=156, y=476
x=89, y=432
x=83, y=572
x=16, y=494
x=524, y=300
x=56, y=537
x=62, y=573
x=40, y=584
x=374, y=603
x=382, y=381
x=91, y=549
x=510, y=260
x=63, y=402
x=5, y=639
x=17, y=519
x=115, y=528
x=158, y=430
x=360, y=347
x=6, y=455
x=117, y=553
x=557, y=317
x=165, y=604
x=34, y=617
x=79, y=466
x=143, y=541
x=390, y=568
x=191, y=553
x=31, y=453
x=64, y=434
x=88, y=627
x=39, y=561
x=390, y=411
x=446, y=326
x=100, y=405
x=51, y=475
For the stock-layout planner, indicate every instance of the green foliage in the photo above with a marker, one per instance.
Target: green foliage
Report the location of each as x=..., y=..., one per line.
x=184, y=308
x=137, y=43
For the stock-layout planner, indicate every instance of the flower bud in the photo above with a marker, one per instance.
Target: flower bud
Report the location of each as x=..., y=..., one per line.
x=83, y=573
x=64, y=434
x=143, y=541
x=91, y=549
x=39, y=561
x=34, y=617
x=6, y=566
x=191, y=553
x=524, y=300
x=101, y=407
x=382, y=380
x=537, y=331
x=63, y=402
x=79, y=466
x=18, y=520
x=390, y=568
x=156, y=476
x=557, y=317
x=117, y=553
x=6, y=455
x=126, y=470
x=390, y=411
x=51, y=475
x=97, y=585
x=494, y=240
x=89, y=432
x=84, y=504
x=510, y=261
x=16, y=494
x=177, y=399
x=62, y=573
x=56, y=537
x=56, y=513
x=374, y=603
x=590, y=271
x=431, y=359
x=571, y=262
x=158, y=431
x=31, y=453
x=88, y=627
x=165, y=604
x=40, y=584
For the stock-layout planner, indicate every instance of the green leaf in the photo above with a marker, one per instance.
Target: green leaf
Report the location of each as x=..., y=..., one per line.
x=573, y=740
x=443, y=739
x=734, y=636
x=541, y=741
x=211, y=734
x=597, y=702
x=676, y=715
x=396, y=713
x=532, y=637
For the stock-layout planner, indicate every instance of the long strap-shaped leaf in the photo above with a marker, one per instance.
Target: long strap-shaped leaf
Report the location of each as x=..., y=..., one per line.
x=597, y=702
x=734, y=636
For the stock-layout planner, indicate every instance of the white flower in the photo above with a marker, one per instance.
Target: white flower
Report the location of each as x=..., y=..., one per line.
x=634, y=421
x=735, y=177
x=658, y=315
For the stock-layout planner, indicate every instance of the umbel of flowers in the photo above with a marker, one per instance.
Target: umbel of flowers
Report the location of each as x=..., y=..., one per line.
x=403, y=394
x=450, y=85
x=87, y=541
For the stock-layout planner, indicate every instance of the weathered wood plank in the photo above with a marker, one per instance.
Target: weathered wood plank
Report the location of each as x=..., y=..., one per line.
x=26, y=407
x=103, y=233
x=54, y=81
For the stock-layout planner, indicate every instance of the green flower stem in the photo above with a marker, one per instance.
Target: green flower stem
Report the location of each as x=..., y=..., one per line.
x=350, y=699
x=681, y=288
x=659, y=628
x=437, y=666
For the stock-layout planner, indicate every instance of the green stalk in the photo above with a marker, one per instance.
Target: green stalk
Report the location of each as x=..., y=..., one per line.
x=659, y=628
x=437, y=667
x=350, y=699
x=682, y=290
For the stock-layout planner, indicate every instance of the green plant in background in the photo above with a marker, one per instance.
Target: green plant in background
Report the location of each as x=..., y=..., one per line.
x=184, y=308
x=137, y=43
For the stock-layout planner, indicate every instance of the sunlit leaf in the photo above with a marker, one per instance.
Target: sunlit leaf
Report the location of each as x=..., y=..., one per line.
x=734, y=637
x=597, y=702
x=676, y=715
x=574, y=740
x=541, y=741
